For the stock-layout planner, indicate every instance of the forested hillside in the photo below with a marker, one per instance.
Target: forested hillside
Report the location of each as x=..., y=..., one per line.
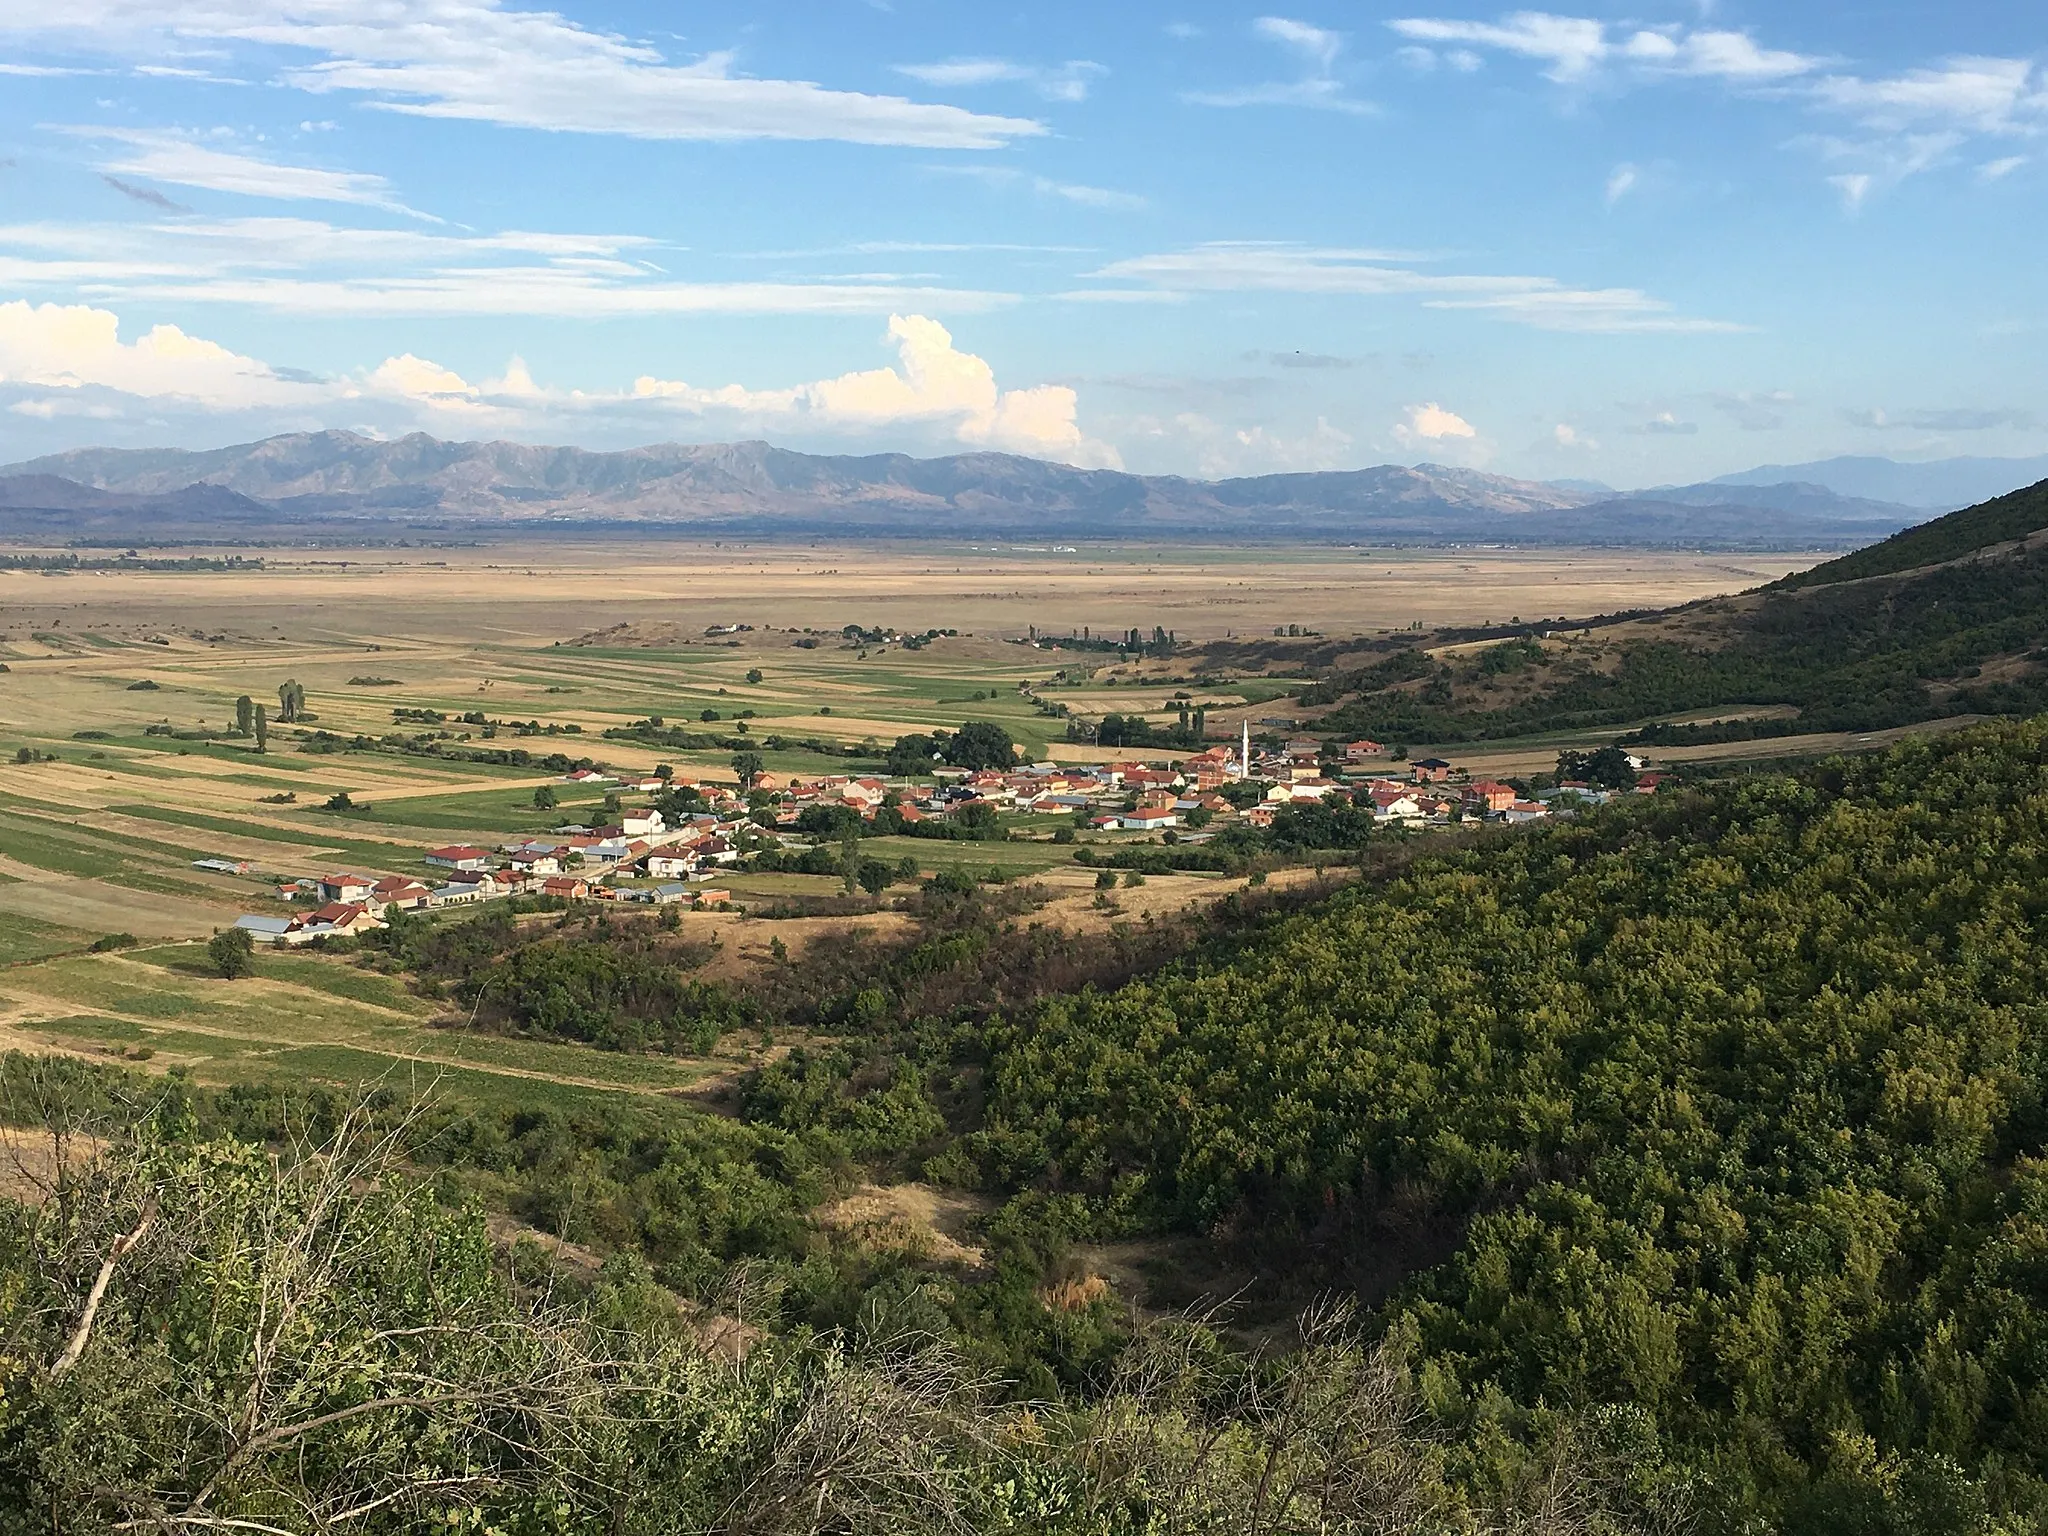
x=1917, y=628
x=1739, y=1102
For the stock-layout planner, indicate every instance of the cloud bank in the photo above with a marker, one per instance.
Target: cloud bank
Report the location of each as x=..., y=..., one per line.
x=69, y=360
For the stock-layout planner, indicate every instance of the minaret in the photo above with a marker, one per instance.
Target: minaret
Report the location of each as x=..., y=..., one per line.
x=1244, y=757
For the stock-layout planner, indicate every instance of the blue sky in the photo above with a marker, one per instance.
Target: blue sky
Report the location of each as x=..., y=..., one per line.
x=1641, y=243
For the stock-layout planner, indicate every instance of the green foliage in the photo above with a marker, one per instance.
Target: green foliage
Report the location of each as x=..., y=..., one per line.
x=980, y=744
x=545, y=798
x=1605, y=768
x=1944, y=538
x=1726, y=1105
x=229, y=952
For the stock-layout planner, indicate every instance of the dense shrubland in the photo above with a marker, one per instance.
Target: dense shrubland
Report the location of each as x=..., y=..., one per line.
x=202, y=1334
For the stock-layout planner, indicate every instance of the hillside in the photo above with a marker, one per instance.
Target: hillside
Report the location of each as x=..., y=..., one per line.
x=1945, y=619
x=1957, y=536
x=1725, y=1111
x=758, y=488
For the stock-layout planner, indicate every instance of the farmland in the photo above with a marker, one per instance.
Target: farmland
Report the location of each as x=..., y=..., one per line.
x=118, y=768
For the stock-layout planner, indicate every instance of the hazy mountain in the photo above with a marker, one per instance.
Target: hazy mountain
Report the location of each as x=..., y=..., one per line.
x=1940, y=484
x=46, y=504
x=755, y=487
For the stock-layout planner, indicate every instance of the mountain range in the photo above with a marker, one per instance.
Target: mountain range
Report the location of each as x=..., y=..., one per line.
x=319, y=478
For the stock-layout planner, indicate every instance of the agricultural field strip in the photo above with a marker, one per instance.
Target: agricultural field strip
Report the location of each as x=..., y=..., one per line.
x=269, y=1014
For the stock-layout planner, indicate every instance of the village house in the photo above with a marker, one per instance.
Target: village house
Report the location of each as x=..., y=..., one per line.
x=1430, y=770
x=1524, y=811
x=1396, y=805
x=1491, y=796
x=339, y=919
x=567, y=887
x=1149, y=819
x=587, y=776
x=454, y=895
x=398, y=891
x=460, y=856
x=1358, y=751
x=346, y=887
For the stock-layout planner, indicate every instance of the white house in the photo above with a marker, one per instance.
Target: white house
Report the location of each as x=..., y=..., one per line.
x=460, y=857
x=1148, y=819
x=647, y=823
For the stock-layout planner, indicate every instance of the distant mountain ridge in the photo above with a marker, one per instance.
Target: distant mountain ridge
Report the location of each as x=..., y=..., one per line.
x=1940, y=485
x=758, y=488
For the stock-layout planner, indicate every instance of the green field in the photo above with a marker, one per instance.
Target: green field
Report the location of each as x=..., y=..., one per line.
x=297, y=1017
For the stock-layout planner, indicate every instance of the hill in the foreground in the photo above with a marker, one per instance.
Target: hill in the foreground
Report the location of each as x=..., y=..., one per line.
x=1945, y=619
x=1731, y=1110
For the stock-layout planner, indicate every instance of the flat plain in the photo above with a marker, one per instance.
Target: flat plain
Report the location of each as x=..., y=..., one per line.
x=116, y=775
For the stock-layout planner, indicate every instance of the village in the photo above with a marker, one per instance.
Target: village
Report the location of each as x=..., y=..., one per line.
x=670, y=858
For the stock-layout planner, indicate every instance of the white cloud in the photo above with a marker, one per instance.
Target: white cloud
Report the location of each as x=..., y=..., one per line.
x=60, y=360
x=1855, y=188
x=478, y=60
x=1985, y=95
x=1316, y=44
x=1665, y=424
x=1573, y=48
x=1318, y=86
x=1432, y=423
x=1570, y=437
x=1065, y=82
x=75, y=346
x=306, y=266
x=1219, y=450
x=1620, y=182
x=184, y=162
x=1542, y=302
x=935, y=384
x=1998, y=170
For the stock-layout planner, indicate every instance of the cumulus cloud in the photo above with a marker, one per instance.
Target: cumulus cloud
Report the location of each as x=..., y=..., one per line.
x=69, y=359
x=1567, y=436
x=1432, y=423
x=480, y=61
x=75, y=346
x=934, y=384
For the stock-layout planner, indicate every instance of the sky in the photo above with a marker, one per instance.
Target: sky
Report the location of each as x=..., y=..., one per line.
x=1636, y=243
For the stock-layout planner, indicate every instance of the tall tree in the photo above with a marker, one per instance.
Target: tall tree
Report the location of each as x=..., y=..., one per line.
x=261, y=726
x=245, y=714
